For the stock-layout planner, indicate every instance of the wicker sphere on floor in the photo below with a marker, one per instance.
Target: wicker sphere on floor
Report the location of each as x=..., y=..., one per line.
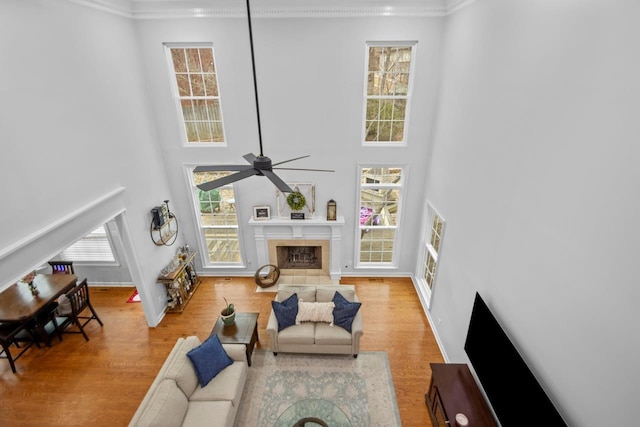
x=267, y=275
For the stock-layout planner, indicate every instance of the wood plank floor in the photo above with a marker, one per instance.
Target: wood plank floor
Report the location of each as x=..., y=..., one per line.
x=102, y=381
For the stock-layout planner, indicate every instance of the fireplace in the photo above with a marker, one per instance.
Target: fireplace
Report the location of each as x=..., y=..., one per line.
x=299, y=257
x=300, y=235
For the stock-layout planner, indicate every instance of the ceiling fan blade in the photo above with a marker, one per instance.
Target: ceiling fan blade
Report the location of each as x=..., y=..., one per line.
x=249, y=157
x=227, y=179
x=304, y=169
x=290, y=160
x=214, y=168
x=282, y=186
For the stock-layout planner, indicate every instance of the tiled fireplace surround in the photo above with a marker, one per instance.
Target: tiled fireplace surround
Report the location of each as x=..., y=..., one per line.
x=269, y=234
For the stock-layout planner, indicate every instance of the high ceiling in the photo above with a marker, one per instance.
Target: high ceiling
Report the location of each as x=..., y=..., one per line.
x=277, y=8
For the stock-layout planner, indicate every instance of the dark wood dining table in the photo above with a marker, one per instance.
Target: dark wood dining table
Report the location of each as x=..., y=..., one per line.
x=17, y=304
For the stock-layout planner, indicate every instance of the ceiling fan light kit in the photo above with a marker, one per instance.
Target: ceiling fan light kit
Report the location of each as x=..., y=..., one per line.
x=260, y=165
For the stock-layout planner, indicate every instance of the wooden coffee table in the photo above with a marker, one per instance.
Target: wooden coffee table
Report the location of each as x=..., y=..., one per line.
x=243, y=331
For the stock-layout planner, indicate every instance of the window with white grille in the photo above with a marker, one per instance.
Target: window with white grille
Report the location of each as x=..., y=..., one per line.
x=217, y=220
x=388, y=92
x=433, y=242
x=197, y=94
x=380, y=191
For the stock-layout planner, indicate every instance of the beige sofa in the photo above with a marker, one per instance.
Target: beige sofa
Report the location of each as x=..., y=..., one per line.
x=315, y=337
x=176, y=398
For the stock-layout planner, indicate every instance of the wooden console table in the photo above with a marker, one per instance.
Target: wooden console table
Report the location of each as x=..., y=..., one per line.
x=452, y=391
x=181, y=284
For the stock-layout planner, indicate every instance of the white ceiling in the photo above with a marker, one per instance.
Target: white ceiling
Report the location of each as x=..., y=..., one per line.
x=277, y=8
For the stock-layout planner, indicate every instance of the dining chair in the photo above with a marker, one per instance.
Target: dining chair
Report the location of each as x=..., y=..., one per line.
x=62, y=267
x=46, y=323
x=80, y=303
x=8, y=332
x=42, y=326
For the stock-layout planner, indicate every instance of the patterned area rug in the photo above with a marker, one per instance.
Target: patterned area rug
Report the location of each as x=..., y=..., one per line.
x=362, y=388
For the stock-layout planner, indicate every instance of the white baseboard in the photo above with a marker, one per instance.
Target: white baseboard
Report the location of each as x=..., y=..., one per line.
x=112, y=284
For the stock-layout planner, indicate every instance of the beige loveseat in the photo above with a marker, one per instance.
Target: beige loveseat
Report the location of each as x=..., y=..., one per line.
x=315, y=337
x=176, y=398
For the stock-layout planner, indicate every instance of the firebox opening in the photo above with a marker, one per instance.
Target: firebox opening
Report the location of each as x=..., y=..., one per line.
x=299, y=257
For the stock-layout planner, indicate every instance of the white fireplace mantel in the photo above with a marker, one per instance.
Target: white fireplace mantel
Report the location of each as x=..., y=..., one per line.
x=302, y=229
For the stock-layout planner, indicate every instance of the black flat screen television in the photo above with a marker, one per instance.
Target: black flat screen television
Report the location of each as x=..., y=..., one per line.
x=513, y=391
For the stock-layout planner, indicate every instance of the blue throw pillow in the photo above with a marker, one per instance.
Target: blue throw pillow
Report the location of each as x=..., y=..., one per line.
x=286, y=311
x=344, y=311
x=208, y=359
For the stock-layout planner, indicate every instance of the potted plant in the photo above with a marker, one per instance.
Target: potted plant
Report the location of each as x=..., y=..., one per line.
x=228, y=314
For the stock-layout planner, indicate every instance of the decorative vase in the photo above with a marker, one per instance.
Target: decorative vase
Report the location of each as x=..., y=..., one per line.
x=228, y=319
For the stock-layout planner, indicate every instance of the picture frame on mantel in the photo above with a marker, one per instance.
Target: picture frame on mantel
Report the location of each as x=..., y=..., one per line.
x=308, y=190
x=261, y=213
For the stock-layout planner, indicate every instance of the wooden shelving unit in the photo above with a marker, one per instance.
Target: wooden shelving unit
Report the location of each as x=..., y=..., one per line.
x=181, y=284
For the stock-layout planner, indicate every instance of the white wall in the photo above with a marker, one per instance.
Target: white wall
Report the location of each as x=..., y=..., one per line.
x=90, y=130
x=534, y=168
x=310, y=82
x=75, y=128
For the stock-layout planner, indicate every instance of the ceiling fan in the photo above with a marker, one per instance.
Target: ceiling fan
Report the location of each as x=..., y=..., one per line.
x=260, y=165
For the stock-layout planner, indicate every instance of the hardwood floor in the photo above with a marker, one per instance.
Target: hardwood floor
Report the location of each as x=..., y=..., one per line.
x=101, y=382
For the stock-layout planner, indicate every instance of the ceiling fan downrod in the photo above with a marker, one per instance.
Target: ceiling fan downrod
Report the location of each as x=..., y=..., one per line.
x=260, y=165
x=255, y=81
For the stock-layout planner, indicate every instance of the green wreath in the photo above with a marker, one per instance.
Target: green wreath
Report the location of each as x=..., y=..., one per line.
x=296, y=201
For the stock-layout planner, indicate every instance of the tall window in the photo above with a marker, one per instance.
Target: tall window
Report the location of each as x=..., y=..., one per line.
x=94, y=248
x=388, y=89
x=380, y=191
x=217, y=219
x=435, y=230
x=197, y=94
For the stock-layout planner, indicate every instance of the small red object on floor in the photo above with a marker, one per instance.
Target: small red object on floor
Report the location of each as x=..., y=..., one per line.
x=134, y=297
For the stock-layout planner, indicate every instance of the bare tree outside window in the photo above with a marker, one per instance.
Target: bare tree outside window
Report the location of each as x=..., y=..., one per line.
x=388, y=91
x=196, y=87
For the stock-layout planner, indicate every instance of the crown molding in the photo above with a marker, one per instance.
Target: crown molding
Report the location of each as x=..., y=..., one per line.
x=342, y=12
x=116, y=7
x=454, y=6
x=180, y=9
